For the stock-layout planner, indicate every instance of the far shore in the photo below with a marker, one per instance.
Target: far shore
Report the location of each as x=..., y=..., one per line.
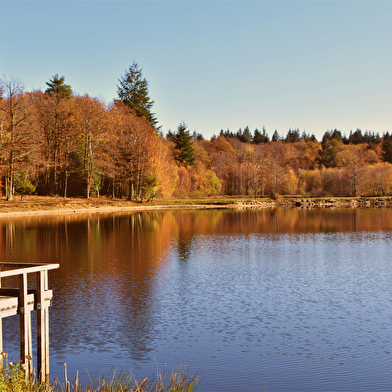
x=105, y=209
x=39, y=205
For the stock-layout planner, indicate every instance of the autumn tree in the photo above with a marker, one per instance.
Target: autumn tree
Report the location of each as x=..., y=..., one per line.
x=136, y=145
x=310, y=182
x=133, y=91
x=202, y=156
x=245, y=172
x=273, y=160
x=303, y=155
x=378, y=179
x=354, y=158
x=55, y=115
x=165, y=167
x=92, y=122
x=223, y=159
x=18, y=140
x=335, y=182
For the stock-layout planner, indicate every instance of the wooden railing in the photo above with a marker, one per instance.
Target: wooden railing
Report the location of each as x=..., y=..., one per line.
x=23, y=301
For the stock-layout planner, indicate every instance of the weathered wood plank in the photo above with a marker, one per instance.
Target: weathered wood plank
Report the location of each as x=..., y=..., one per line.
x=26, y=348
x=41, y=326
x=8, y=307
x=46, y=313
x=1, y=337
x=23, y=301
x=28, y=270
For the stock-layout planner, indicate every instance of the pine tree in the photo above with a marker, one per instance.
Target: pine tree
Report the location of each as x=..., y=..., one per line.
x=386, y=147
x=183, y=144
x=292, y=136
x=133, y=91
x=329, y=143
x=276, y=137
x=356, y=137
x=260, y=137
x=56, y=86
x=246, y=136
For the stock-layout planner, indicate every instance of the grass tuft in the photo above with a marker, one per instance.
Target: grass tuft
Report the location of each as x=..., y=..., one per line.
x=12, y=379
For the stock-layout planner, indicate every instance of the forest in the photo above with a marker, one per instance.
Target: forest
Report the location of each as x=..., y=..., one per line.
x=56, y=142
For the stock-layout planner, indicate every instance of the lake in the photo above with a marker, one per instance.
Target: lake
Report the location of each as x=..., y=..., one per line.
x=282, y=299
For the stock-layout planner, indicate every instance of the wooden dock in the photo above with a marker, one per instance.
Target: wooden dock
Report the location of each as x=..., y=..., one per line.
x=22, y=301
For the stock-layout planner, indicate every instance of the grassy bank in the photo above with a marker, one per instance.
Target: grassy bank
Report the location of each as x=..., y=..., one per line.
x=42, y=204
x=12, y=379
x=47, y=203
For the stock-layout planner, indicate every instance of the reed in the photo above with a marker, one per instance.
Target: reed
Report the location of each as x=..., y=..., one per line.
x=179, y=379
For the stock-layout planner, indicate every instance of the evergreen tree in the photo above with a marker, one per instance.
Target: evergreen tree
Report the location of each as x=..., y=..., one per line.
x=327, y=156
x=170, y=135
x=133, y=91
x=227, y=134
x=246, y=136
x=307, y=138
x=292, y=136
x=197, y=136
x=183, y=144
x=337, y=135
x=356, y=137
x=275, y=136
x=387, y=148
x=23, y=185
x=259, y=137
x=57, y=87
x=371, y=138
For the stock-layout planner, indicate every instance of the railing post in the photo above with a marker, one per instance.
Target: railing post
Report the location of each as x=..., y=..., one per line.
x=42, y=327
x=25, y=327
x=1, y=339
x=19, y=301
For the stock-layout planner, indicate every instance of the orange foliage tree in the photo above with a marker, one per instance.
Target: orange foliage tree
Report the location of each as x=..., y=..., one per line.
x=92, y=123
x=18, y=138
x=137, y=146
x=55, y=116
x=354, y=158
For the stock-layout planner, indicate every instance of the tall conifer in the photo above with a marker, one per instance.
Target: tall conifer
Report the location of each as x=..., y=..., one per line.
x=183, y=144
x=133, y=91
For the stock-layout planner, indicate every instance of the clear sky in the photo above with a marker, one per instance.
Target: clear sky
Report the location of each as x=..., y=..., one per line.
x=311, y=65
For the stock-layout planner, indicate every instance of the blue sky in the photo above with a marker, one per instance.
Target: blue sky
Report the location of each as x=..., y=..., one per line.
x=215, y=64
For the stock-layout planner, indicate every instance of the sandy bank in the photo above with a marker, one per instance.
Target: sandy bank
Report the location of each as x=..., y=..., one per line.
x=36, y=205
x=112, y=209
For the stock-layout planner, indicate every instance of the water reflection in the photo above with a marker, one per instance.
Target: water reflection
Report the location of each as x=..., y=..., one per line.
x=236, y=291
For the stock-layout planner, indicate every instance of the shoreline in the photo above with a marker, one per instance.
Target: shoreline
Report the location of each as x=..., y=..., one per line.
x=114, y=209
x=106, y=209
x=36, y=206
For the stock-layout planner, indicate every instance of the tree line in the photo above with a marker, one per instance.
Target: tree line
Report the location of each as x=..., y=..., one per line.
x=56, y=142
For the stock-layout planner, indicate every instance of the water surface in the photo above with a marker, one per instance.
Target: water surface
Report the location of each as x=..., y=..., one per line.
x=287, y=299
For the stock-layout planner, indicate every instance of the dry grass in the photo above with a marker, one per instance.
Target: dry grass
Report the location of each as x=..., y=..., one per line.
x=12, y=379
x=53, y=203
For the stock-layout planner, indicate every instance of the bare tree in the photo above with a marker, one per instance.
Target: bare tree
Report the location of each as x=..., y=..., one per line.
x=16, y=144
